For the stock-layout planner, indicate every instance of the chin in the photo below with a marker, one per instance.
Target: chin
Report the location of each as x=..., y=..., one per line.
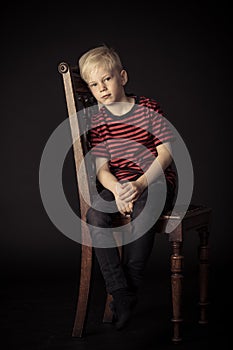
x=109, y=102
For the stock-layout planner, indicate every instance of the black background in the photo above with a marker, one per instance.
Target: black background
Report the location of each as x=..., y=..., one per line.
x=179, y=54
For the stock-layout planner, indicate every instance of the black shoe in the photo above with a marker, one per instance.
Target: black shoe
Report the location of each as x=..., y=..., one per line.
x=122, y=307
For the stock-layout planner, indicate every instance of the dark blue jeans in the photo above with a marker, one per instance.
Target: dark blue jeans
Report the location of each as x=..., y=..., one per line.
x=127, y=272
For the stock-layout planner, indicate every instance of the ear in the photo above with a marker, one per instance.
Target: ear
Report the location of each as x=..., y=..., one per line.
x=124, y=77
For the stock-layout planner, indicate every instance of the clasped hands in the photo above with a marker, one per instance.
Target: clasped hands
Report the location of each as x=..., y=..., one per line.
x=126, y=194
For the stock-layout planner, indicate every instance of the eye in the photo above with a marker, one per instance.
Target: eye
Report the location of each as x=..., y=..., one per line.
x=107, y=79
x=92, y=85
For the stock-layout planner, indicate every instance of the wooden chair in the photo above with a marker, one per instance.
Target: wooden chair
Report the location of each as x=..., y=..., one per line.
x=197, y=218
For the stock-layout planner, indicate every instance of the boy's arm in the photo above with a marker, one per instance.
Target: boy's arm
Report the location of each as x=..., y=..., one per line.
x=110, y=182
x=162, y=161
x=104, y=175
x=155, y=170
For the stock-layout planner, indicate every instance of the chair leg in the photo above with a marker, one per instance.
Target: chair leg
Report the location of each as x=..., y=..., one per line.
x=176, y=284
x=203, y=274
x=108, y=316
x=84, y=288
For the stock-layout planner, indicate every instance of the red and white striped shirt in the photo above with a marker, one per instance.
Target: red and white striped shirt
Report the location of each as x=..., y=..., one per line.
x=129, y=141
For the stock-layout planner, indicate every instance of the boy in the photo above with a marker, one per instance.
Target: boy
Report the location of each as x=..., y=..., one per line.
x=131, y=143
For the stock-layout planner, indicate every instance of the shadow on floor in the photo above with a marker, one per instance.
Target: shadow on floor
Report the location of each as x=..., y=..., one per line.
x=39, y=313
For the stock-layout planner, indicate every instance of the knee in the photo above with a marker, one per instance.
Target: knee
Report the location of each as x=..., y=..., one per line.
x=92, y=216
x=97, y=218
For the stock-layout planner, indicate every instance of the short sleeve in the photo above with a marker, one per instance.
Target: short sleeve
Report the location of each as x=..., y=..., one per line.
x=160, y=127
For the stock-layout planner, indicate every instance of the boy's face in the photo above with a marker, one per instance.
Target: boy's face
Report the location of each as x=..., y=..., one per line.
x=107, y=86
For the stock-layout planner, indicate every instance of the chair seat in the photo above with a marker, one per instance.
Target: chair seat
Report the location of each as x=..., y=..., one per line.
x=196, y=217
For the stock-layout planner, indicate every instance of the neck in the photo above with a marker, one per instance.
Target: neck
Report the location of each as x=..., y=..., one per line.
x=121, y=108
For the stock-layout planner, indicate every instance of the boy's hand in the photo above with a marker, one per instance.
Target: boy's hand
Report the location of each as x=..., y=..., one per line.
x=129, y=191
x=124, y=207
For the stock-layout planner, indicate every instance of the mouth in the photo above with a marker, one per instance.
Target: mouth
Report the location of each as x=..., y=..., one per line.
x=106, y=96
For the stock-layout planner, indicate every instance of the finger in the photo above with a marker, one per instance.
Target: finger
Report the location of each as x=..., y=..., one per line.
x=130, y=197
x=131, y=207
x=126, y=189
x=126, y=186
x=121, y=211
x=135, y=197
x=127, y=194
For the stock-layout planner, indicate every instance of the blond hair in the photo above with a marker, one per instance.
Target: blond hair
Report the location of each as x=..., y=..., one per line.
x=103, y=56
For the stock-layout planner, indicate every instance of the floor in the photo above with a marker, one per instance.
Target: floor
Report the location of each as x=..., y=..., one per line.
x=38, y=314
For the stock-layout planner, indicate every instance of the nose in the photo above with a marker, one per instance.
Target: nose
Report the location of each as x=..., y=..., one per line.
x=102, y=86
